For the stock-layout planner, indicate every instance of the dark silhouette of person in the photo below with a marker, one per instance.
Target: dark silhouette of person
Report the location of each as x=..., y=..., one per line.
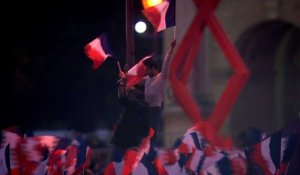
x=134, y=124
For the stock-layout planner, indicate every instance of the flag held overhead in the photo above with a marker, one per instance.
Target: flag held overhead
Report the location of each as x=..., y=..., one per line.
x=98, y=50
x=161, y=16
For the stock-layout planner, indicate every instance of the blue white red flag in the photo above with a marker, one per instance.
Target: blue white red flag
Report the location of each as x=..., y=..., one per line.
x=221, y=167
x=144, y=167
x=98, y=50
x=4, y=160
x=274, y=153
x=137, y=72
x=161, y=16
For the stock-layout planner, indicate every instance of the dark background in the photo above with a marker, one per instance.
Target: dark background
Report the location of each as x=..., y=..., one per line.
x=47, y=80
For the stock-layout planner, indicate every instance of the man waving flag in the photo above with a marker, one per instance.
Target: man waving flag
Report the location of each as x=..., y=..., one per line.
x=162, y=15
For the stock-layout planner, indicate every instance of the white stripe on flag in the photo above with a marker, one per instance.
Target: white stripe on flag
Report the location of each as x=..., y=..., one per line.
x=265, y=152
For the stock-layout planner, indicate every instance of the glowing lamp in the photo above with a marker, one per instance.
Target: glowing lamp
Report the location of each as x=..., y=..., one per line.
x=140, y=27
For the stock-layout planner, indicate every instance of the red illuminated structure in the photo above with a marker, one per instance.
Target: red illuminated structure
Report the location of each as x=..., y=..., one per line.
x=184, y=58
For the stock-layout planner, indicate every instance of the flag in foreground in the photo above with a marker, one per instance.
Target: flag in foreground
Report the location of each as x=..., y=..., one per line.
x=274, y=153
x=161, y=16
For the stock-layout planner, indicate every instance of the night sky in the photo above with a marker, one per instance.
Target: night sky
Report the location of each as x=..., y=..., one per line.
x=47, y=80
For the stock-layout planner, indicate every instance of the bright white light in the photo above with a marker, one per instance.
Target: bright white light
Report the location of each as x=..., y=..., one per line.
x=140, y=27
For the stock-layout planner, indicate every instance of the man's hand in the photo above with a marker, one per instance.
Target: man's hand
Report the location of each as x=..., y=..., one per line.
x=122, y=74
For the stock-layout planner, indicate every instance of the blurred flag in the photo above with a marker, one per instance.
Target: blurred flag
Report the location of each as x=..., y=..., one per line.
x=221, y=167
x=4, y=160
x=56, y=162
x=114, y=168
x=137, y=72
x=42, y=167
x=190, y=154
x=32, y=155
x=287, y=153
x=145, y=167
x=274, y=153
x=161, y=16
x=39, y=155
x=10, y=142
x=98, y=50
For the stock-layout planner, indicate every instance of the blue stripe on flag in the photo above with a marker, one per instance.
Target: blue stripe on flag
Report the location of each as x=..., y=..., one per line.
x=150, y=168
x=196, y=140
x=170, y=15
x=275, y=149
x=105, y=44
x=182, y=160
x=177, y=143
x=290, y=147
x=201, y=163
x=224, y=166
x=7, y=158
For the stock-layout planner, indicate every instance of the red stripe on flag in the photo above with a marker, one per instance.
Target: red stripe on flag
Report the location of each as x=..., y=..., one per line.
x=157, y=15
x=161, y=16
x=137, y=72
x=94, y=50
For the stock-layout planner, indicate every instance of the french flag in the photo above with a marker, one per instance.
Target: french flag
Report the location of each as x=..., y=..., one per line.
x=221, y=167
x=98, y=50
x=161, y=16
x=273, y=153
x=137, y=72
x=144, y=167
x=32, y=156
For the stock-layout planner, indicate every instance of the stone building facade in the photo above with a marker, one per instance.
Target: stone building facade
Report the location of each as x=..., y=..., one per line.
x=267, y=36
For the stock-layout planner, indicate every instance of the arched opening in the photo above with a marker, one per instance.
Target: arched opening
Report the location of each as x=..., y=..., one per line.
x=270, y=100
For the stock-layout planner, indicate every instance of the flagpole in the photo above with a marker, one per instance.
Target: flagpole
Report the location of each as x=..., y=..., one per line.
x=129, y=34
x=119, y=66
x=174, y=33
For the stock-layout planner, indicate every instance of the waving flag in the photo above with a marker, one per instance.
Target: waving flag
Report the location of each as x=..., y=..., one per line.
x=190, y=153
x=10, y=141
x=144, y=167
x=32, y=156
x=222, y=167
x=161, y=16
x=39, y=155
x=98, y=50
x=274, y=153
x=137, y=72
